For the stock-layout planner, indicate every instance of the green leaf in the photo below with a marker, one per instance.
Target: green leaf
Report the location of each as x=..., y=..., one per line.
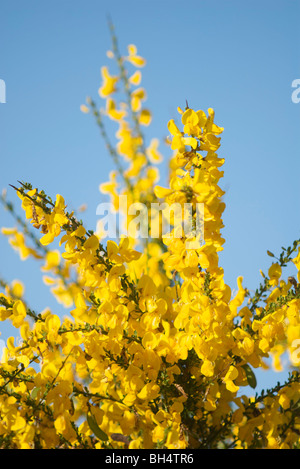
x=270, y=254
x=251, y=378
x=95, y=428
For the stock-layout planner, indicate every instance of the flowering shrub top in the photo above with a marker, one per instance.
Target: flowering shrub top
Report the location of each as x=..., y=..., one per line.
x=156, y=349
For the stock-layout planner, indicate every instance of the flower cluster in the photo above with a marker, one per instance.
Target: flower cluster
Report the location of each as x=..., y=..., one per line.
x=156, y=349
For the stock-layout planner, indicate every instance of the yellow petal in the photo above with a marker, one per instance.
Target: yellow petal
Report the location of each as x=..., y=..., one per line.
x=149, y=340
x=231, y=374
x=60, y=202
x=19, y=309
x=135, y=79
x=112, y=248
x=152, y=151
x=18, y=424
x=145, y=117
x=17, y=289
x=53, y=322
x=136, y=60
x=231, y=386
x=190, y=141
x=207, y=368
x=173, y=129
x=132, y=49
x=161, y=192
x=92, y=243
x=190, y=116
x=47, y=239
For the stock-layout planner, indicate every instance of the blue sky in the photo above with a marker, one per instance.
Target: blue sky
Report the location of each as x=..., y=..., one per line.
x=238, y=57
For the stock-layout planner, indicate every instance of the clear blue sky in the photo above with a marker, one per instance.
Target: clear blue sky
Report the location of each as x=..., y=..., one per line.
x=238, y=57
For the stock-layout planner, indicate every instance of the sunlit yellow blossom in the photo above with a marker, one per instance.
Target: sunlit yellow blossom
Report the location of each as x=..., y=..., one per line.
x=109, y=83
x=112, y=111
x=145, y=117
x=274, y=273
x=137, y=96
x=133, y=58
x=135, y=78
x=152, y=151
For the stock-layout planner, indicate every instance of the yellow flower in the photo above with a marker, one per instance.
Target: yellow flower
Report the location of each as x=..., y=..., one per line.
x=52, y=325
x=18, y=242
x=19, y=313
x=137, y=96
x=111, y=188
x=135, y=78
x=192, y=123
x=52, y=259
x=133, y=58
x=284, y=401
x=207, y=368
x=112, y=111
x=152, y=151
x=149, y=391
x=230, y=376
x=145, y=117
x=17, y=288
x=274, y=274
x=179, y=142
x=109, y=83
